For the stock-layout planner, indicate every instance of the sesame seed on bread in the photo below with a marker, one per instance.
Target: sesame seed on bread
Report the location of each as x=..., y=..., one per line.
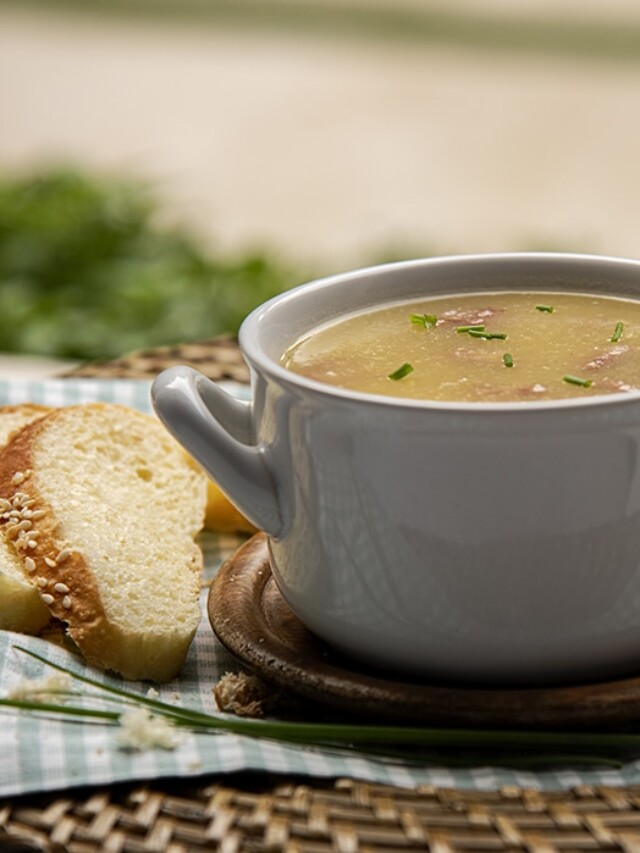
x=20, y=606
x=112, y=507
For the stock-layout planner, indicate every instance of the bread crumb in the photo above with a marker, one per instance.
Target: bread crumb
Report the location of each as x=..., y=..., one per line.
x=241, y=694
x=40, y=689
x=140, y=730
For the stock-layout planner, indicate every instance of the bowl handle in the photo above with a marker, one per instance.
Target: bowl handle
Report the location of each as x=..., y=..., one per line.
x=215, y=429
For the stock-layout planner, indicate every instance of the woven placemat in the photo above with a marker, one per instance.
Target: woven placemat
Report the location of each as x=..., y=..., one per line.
x=219, y=359
x=258, y=814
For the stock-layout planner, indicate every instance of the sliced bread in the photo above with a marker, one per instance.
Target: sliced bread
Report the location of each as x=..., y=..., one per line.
x=221, y=516
x=21, y=608
x=13, y=418
x=109, y=510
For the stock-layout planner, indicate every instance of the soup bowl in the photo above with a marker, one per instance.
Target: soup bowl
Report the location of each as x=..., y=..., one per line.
x=484, y=542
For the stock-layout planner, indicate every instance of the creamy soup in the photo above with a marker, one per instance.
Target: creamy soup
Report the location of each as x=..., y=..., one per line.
x=499, y=347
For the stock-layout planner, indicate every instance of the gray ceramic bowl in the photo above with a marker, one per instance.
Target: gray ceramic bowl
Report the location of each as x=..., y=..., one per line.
x=491, y=542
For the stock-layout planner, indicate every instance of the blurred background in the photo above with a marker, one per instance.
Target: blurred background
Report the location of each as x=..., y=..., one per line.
x=166, y=165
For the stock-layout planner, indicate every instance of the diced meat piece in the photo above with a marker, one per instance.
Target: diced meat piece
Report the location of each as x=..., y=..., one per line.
x=606, y=385
x=468, y=317
x=607, y=358
x=490, y=393
x=475, y=355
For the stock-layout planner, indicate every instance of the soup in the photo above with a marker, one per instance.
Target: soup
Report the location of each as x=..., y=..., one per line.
x=490, y=347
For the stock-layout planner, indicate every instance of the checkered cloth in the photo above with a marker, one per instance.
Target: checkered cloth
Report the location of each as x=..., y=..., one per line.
x=39, y=752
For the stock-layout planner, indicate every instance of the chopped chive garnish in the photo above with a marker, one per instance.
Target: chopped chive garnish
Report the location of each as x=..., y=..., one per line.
x=470, y=329
x=423, y=320
x=508, y=359
x=401, y=372
x=576, y=380
x=617, y=333
x=546, y=309
x=488, y=336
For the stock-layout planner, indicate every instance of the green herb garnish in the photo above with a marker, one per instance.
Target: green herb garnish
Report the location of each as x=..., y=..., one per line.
x=576, y=380
x=423, y=320
x=617, y=333
x=508, y=359
x=401, y=372
x=470, y=329
x=375, y=741
x=546, y=309
x=487, y=336
x=88, y=270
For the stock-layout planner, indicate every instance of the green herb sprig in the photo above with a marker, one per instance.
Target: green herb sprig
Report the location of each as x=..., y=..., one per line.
x=423, y=320
x=462, y=329
x=487, y=336
x=378, y=741
x=88, y=270
x=404, y=370
x=577, y=380
x=617, y=333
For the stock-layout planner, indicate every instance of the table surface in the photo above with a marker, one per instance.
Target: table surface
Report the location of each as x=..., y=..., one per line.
x=32, y=366
x=599, y=809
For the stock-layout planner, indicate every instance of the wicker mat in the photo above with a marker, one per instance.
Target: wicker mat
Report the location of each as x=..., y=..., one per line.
x=218, y=359
x=249, y=814
x=252, y=812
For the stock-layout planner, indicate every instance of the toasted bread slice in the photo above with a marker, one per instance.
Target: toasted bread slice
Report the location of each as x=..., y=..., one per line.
x=110, y=508
x=13, y=418
x=221, y=516
x=20, y=606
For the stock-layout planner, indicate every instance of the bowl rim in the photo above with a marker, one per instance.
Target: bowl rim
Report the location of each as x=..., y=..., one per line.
x=262, y=363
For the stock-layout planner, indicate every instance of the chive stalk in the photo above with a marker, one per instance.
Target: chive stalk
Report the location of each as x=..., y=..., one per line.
x=507, y=359
x=478, y=328
x=370, y=738
x=546, y=309
x=404, y=370
x=487, y=336
x=423, y=320
x=577, y=380
x=617, y=333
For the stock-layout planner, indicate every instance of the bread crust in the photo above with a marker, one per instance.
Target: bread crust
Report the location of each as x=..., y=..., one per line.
x=64, y=578
x=17, y=458
x=20, y=606
x=29, y=409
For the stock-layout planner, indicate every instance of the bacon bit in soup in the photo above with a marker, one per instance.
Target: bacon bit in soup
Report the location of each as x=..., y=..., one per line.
x=613, y=386
x=525, y=392
x=475, y=354
x=607, y=357
x=458, y=317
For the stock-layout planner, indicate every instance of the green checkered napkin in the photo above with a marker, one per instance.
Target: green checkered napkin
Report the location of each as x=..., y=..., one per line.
x=40, y=753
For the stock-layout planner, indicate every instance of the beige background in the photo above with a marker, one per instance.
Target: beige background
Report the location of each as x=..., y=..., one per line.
x=332, y=150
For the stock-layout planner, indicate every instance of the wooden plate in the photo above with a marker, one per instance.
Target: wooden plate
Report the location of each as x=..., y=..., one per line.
x=252, y=620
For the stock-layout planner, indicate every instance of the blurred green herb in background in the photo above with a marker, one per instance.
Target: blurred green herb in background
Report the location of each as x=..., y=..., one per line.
x=87, y=273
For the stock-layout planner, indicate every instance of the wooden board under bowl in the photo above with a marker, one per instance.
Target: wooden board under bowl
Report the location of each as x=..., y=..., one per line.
x=252, y=620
